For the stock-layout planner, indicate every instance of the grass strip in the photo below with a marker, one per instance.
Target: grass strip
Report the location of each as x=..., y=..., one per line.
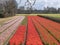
x=24, y=22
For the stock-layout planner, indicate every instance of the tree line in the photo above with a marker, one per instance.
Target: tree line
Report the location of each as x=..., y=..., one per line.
x=47, y=10
x=8, y=8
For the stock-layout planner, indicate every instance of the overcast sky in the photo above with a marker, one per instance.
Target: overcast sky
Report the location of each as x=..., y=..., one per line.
x=40, y=4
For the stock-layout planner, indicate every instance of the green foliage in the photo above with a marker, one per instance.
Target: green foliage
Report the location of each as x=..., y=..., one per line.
x=20, y=44
x=54, y=44
x=24, y=21
x=46, y=44
x=1, y=16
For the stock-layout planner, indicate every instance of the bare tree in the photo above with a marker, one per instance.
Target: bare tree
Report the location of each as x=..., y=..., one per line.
x=9, y=8
x=12, y=6
x=30, y=4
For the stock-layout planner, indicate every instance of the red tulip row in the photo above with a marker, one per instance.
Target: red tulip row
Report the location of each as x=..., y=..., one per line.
x=51, y=23
x=18, y=37
x=40, y=31
x=52, y=30
x=46, y=37
x=32, y=35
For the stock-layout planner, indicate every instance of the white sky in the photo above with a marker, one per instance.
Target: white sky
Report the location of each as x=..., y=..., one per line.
x=40, y=4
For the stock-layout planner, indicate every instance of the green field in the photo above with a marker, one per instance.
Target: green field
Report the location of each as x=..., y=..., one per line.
x=26, y=14
x=54, y=17
x=51, y=15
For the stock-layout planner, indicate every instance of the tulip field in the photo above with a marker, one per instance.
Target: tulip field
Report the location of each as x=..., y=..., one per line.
x=37, y=31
